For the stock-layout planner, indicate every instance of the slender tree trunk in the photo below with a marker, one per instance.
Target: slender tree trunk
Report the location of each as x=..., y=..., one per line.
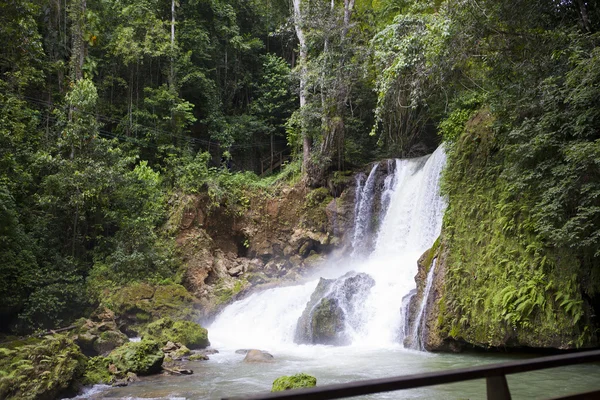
x=303, y=54
x=172, y=75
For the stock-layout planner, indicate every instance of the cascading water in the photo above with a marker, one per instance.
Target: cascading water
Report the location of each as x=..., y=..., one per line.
x=416, y=337
x=411, y=224
x=363, y=211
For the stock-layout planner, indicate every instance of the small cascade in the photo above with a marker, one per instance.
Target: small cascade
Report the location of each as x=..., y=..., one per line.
x=363, y=210
x=417, y=335
x=389, y=184
x=405, y=316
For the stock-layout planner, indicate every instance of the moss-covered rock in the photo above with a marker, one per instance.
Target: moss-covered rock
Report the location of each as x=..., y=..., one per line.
x=137, y=304
x=293, y=382
x=40, y=371
x=143, y=358
x=187, y=333
x=98, y=338
x=97, y=371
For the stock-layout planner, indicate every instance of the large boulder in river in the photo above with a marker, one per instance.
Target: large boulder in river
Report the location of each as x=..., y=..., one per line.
x=332, y=308
x=258, y=356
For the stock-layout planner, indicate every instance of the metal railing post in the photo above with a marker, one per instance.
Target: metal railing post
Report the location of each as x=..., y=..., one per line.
x=497, y=388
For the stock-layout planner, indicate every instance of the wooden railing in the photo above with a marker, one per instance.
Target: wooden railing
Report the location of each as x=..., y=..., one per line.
x=495, y=376
x=269, y=164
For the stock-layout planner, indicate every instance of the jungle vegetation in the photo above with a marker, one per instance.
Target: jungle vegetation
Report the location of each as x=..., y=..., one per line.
x=109, y=107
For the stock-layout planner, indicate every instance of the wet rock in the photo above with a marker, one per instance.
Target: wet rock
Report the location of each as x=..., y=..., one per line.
x=175, y=351
x=129, y=378
x=331, y=306
x=198, y=357
x=258, y=356
x=178, y=371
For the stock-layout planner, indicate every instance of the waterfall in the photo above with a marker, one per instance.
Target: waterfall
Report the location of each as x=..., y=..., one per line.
x=411, y=220
x=363, y=210
x=416, y=337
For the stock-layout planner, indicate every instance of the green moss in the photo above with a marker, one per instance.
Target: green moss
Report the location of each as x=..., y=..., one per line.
x=503, y=286
x=187, y=333
x=143, y=358
x=96, y=371
x=139, y=303
x=42, y=370
x=225, y=294
x=293, y=382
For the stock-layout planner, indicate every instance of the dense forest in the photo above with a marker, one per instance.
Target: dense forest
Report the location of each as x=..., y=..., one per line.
x=109, y=108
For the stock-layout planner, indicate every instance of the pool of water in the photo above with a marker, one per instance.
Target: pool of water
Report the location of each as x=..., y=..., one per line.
x=226, y=375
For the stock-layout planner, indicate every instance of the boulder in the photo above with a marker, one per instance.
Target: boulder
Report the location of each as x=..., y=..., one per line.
x=293, y=382
x=187, y=333
x=331, y=308
x=142, y=358
x=99, y=337
x=175, y=351
x=258, y=356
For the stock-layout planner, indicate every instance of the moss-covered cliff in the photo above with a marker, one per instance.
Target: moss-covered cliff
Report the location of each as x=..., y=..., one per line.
x=497, y=283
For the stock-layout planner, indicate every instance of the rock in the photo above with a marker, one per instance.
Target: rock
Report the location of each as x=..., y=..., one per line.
x=258, y=356
x=41, y=371
x=175, y=351
x=137, y=304
x=99, y=370
x=331, y=306
x=198, y=357
x=293, y=382
x=143, y=358
x=236, y=271
x=130, y=378
x=242, y=351
x=99, y=338
x=178, y=371
x=187, y=333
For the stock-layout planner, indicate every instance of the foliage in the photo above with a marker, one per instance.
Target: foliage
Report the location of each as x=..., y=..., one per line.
x=143, y=358
x=41, y=370
x=503, y=284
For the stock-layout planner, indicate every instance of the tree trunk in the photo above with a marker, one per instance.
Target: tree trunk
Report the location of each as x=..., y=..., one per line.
x=298, y=25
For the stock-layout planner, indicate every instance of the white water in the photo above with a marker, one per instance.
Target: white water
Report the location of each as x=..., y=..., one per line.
x=417, y=332
x=363, y=211
x=267, y=320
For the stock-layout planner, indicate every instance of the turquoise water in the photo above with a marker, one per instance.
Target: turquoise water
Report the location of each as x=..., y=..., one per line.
x=226, y=375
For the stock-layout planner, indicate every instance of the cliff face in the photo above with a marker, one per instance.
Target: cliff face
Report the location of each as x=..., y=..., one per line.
x=276, y=238
x=496, y=283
